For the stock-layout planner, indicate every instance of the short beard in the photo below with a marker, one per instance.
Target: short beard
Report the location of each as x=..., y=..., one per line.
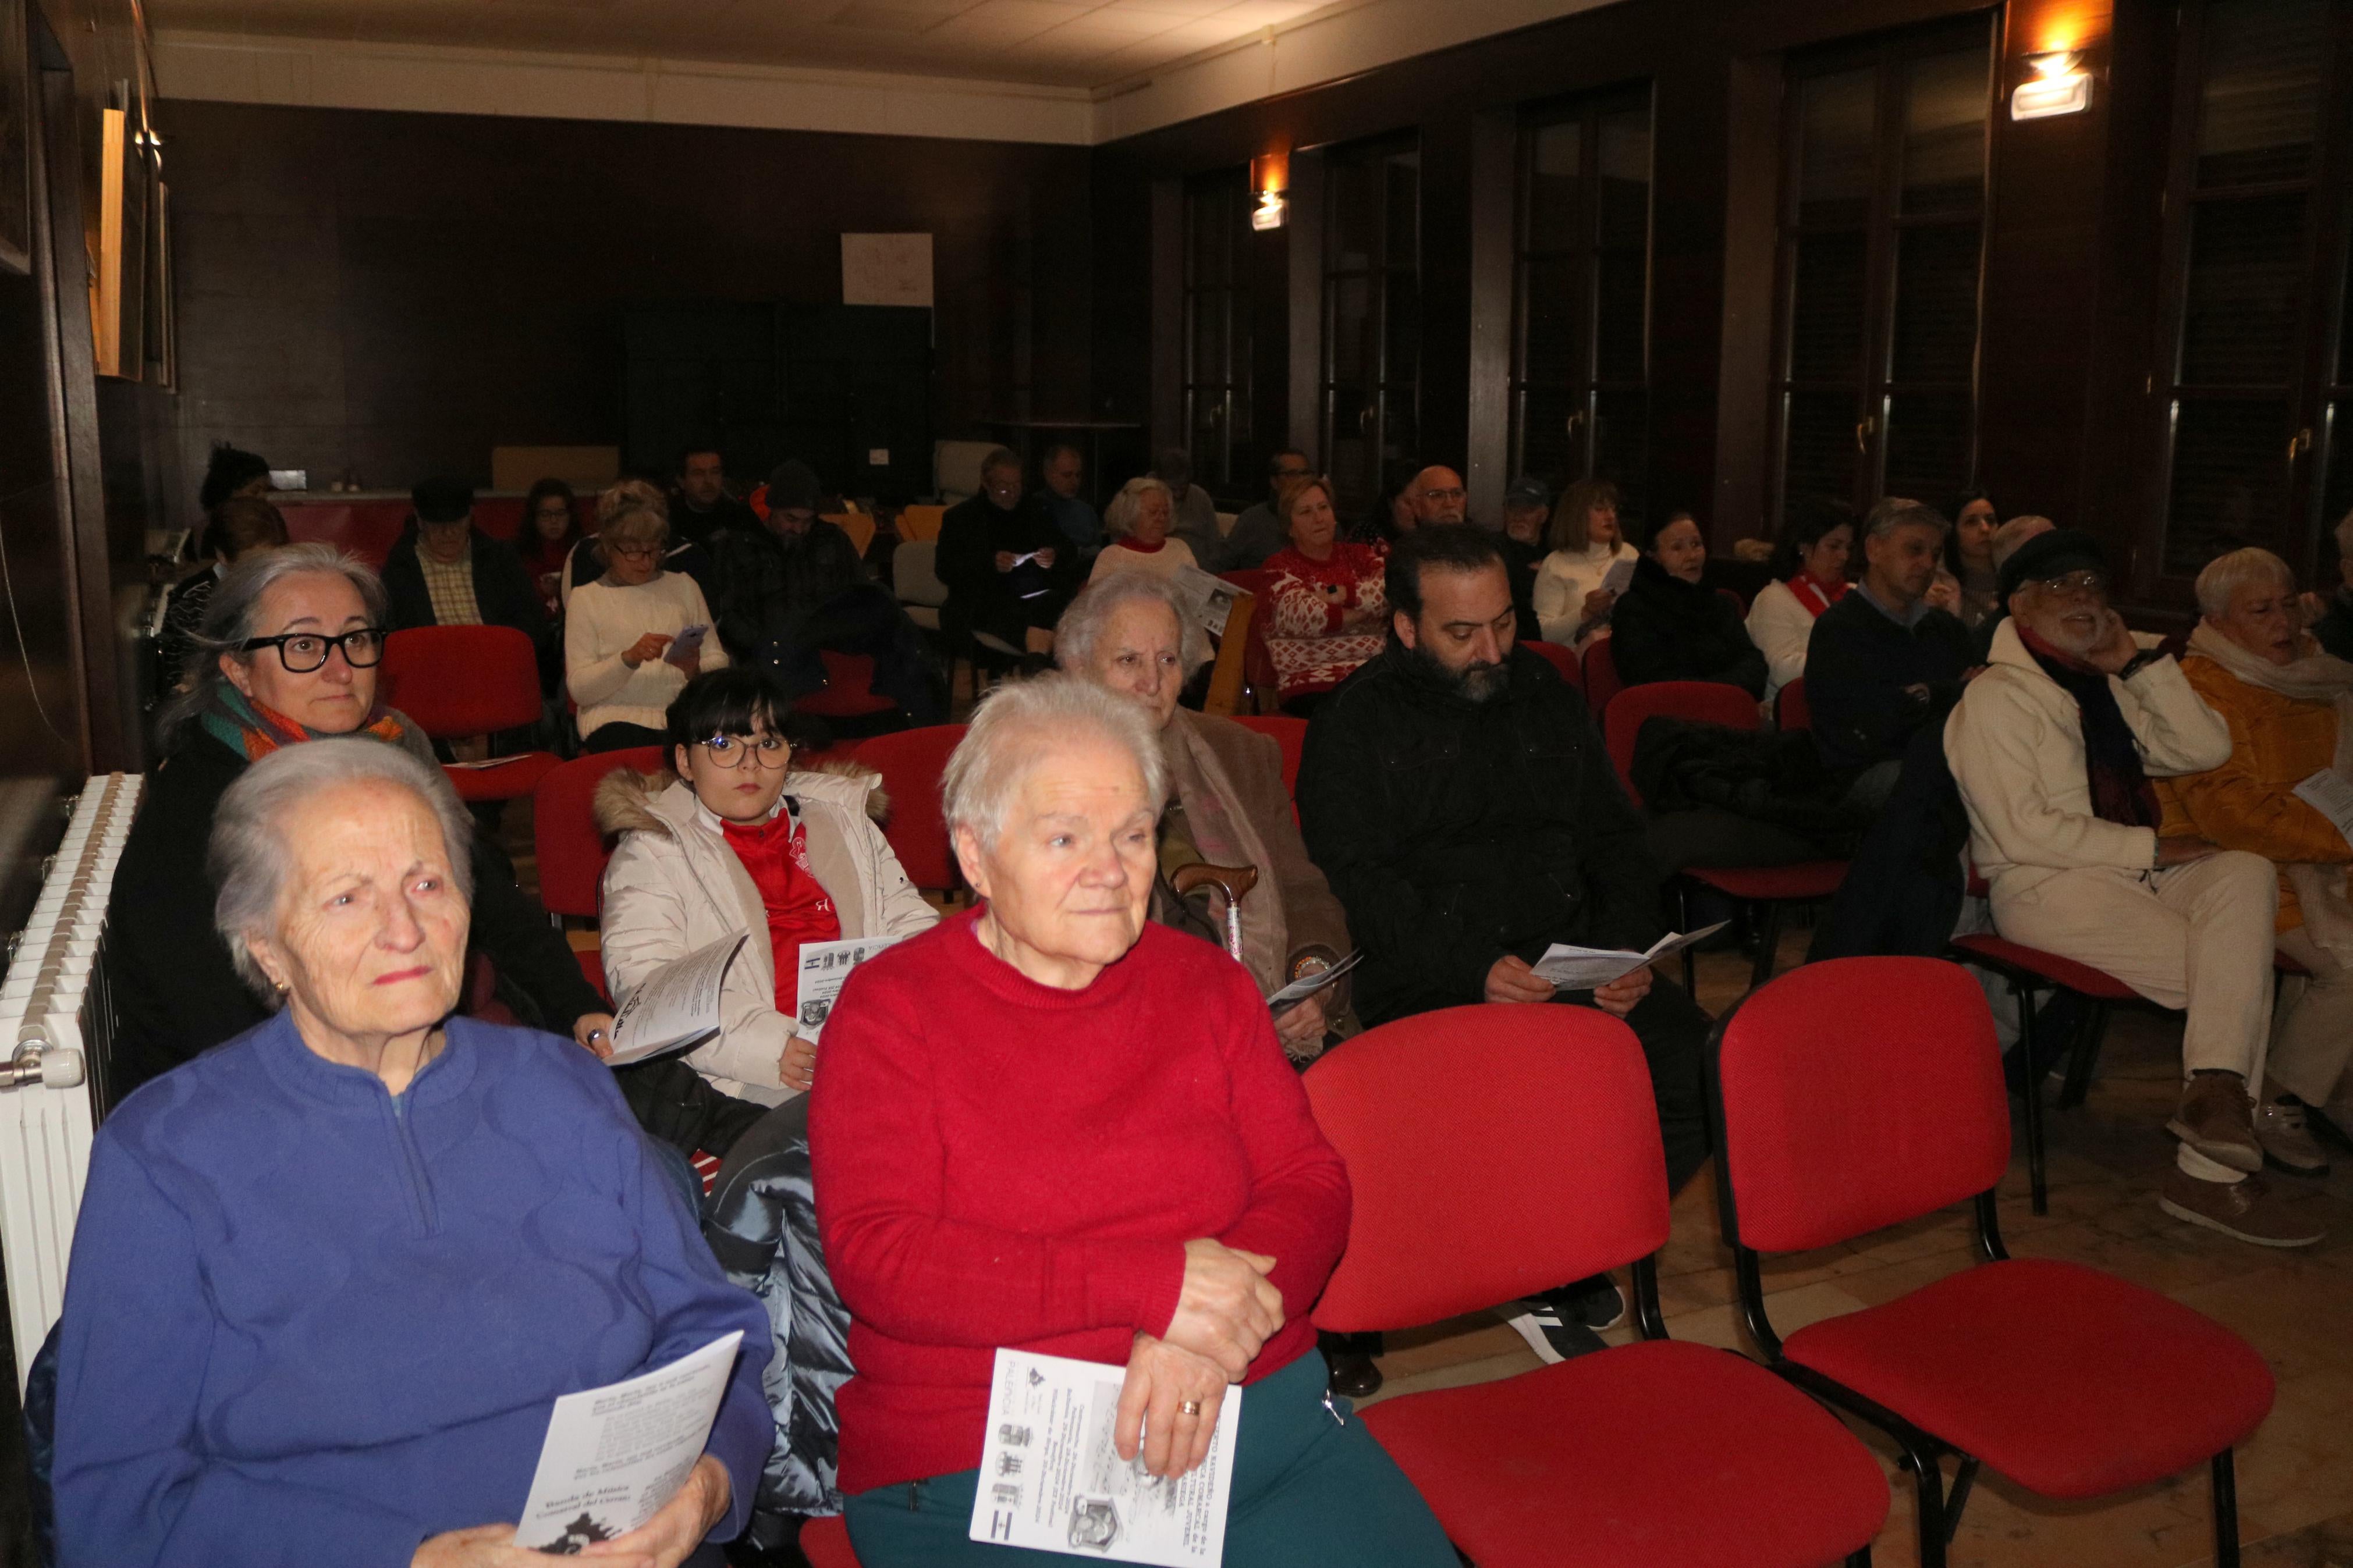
x=1478, y=682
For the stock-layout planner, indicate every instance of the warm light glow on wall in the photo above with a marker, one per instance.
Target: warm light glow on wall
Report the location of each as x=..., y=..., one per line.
x=1270, y=178
x=2057, y=86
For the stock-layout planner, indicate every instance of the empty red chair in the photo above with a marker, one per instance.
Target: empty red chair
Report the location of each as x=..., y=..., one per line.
x=849, y=690
x=1650, y=1454
x=572, y=852
x=1561, y=658
x=1770, y=889
x=459, y=682
x=1864, y=1092
x=1601, y=683
x=1790, y=710
x=912, y=763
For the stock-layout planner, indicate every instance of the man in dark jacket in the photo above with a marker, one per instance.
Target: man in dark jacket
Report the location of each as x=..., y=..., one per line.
x=1883, y=661
x=1008, y=569
x=445, y=571
x=784, y=592
x=701, y=509
x=1457, y=796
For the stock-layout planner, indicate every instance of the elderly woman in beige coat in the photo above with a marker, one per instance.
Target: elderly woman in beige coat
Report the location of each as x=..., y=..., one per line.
x=733, y=841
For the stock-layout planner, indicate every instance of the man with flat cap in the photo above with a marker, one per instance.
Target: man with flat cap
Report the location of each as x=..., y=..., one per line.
x=445, y=571
x=2053, y=747
x=784, y=593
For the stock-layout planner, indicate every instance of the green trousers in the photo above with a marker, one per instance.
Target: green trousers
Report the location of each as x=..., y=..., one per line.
x=1311, y=1489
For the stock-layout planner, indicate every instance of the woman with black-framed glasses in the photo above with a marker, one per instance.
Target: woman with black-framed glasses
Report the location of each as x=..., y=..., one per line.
x=286, y=654
x=730, y=839
x=633, y=637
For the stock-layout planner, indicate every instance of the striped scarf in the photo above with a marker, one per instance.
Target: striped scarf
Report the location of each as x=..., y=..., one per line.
x=253, y=732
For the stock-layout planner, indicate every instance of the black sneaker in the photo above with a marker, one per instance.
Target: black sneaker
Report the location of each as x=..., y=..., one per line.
x=1594, y=1302
x=1540, y=1323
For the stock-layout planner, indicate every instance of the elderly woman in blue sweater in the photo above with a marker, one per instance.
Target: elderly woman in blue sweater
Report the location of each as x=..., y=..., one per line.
x=329, y=1277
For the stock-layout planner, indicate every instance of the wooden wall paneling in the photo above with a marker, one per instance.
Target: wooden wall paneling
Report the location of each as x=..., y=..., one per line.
x=1306, y=294
x=1167, y=422
x=1752, y=285
x=1495, y=178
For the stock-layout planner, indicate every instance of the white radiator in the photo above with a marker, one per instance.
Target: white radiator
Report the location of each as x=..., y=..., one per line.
x=57, y=1018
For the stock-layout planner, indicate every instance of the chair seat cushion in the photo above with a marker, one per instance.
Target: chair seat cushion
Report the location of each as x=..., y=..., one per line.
x=1652, y=1454
x=2071, y=1382
x=1805, y=879
x=511, y=780
x=2081, y=978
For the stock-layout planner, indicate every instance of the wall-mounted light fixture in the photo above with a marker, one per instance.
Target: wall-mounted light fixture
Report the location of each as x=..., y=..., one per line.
x=1270, y=178
x=2057, y=86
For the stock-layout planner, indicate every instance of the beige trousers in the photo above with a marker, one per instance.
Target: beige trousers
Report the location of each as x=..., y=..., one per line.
x=2197, y=937
x=2312, y=1037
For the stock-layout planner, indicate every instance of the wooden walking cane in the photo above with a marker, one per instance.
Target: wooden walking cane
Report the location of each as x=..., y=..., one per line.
x=1231, y=880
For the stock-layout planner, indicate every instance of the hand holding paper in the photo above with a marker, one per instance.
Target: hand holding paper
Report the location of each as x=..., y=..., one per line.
x=1590, y=968
x=676, y=1005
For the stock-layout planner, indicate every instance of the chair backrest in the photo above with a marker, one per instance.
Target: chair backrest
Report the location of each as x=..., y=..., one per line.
x=572, y=853
x=1289, y=733
x=1601, y=683
x=1258, y=663
x=920, y=521
x=912, y=763
x=858, y=525
x=1459, y=1128
x=1707, y=701
x=916, y=573
x=1790, y=710
x=457, y=681
x=1561, y=658
x=1856, y=1093
x=956, y=469
x=1734, y=597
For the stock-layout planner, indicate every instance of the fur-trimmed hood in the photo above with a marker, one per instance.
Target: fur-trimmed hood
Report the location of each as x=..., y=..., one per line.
x=629, y=801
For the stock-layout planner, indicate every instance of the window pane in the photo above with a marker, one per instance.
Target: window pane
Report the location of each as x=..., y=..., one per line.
x=1402, y=323
x=1625, y=178
x=1928, y=445
x=1208, y=436
x=1819, y=443
x=1347, y=426
x=2336, y=490
x=1205, y=212
x=1621, y=438
x=1555, y=159
x=1937, y=303
x=2260, y=102
x=1400, y=437
x=1352, y=214
x=1834, y=148
x=1401, y=173
x=1544, y=447
x=1209, y=338
x=1623, y=313
x=1944, y=133
x=1548, y=350
x=2228, y=489
x=1826, y=324
x=2247, y=275
x=1351, y=330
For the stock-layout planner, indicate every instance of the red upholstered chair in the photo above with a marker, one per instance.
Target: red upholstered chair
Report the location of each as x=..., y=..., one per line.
x=572, y=852
x=1836, y=1120
x=1289, y=733
x=825, y=1543
x=1790, y=710
x=849, y=690
x=1770, y=889
x=911, y=762
x=1601, y=683
x=459, y=682
x=1650, y=1454
x=1562, y=659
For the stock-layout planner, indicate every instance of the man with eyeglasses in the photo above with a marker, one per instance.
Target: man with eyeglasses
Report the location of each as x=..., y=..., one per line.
x=2054, y=748
x=1259, y=532
x=1436, y=496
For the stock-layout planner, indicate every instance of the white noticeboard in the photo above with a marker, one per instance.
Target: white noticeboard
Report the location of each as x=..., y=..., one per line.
x=886, y=269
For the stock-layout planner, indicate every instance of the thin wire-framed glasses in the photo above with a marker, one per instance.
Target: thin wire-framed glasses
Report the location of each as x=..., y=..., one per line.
x=302, y=652
x=2076, y=583
x=729, y=751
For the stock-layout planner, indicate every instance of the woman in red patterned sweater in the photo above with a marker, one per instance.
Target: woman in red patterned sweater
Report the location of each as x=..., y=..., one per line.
x=1327, y=612
x=1053, y=1126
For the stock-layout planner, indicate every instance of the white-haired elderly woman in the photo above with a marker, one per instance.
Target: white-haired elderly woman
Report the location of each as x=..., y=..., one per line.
x=1095, y=1149
x=2290, y=708
x=1138, y=521
x=289, y=651
x=1226, y=805
x=634, y=637
x=328, y=1280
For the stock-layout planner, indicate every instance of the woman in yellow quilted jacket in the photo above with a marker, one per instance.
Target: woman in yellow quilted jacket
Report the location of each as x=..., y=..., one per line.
x=2290, y=709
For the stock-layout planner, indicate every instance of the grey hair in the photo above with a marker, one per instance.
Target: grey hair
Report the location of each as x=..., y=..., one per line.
x=1010, y=732
x=2226, y=574
x=232, y=619
x=1119, y=517
x=250, y=857
x=1889, y=514
x=1081, y=625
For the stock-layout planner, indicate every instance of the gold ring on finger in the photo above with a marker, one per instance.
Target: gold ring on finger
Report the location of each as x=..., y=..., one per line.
x=1189, y=1407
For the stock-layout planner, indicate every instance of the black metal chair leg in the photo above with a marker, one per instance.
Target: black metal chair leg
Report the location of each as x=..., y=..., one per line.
x=1682, y=922
x=1957, y=1499
x=1768, y=945
x=1859, y=1559
x=1928, y=1479
x=2226, y=1511
x=2026, y=1044
x=2083, y=1058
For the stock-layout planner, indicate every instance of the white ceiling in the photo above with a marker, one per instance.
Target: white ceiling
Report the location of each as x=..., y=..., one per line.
x=1083, y=44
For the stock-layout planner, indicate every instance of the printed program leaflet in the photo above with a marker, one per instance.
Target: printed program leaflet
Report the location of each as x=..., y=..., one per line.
x=824, y=966
x=678, y=1005
x=1585, y=968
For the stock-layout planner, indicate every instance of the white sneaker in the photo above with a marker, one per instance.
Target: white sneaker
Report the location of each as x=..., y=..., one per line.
x=2286, y=1141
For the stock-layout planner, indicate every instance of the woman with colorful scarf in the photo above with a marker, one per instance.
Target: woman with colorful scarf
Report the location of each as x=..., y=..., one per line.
x=290, y=646
x=1808, y=577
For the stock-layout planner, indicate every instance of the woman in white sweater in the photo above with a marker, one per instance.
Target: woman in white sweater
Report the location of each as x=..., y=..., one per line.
x=735, y=842
x=1572, y=606
x=1138, y=521
x=1808, y=577
x=633, y=636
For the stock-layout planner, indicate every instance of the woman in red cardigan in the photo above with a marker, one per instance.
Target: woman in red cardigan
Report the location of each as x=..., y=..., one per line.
x=1054, y=1126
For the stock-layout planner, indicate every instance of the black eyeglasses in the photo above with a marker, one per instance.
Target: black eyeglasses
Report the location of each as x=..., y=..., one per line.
x=302, y=652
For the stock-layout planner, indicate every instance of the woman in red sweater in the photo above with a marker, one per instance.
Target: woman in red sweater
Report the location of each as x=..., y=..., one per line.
x=1053, y=1126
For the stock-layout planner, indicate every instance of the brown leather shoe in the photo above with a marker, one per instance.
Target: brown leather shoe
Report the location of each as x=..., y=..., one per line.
x=2218, y=1119
x=2250, y=1210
